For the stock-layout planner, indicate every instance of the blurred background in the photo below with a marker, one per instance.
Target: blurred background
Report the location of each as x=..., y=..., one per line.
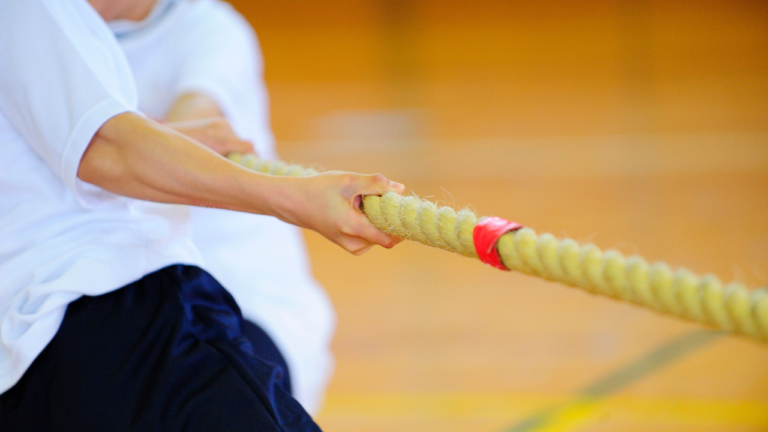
x=638, y=125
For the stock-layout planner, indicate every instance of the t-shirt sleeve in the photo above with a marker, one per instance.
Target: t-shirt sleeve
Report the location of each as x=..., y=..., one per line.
x=222, y=59
x=62, y=75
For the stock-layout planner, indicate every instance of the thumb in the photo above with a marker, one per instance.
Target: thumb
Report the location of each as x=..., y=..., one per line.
x=376, y=184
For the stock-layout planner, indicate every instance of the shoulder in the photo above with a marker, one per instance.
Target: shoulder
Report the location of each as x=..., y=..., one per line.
x=213, y=16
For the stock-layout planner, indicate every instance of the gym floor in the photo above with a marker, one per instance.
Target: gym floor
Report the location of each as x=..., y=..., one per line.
x=636, y=125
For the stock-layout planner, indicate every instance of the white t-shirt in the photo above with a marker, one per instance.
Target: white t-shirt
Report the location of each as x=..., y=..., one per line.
x=62, y=75
x=205, y=46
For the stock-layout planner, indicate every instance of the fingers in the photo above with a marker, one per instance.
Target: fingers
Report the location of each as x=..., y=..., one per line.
x=337, y=197
x=357, y=202
x=374, y=235
x=362, y=251
x=379, y=185
x=359, y=247
x=226, y=145
x=234, y=144
x=224, y=138
x=361, y=235
x=376, y=184
x=228, y=140
x=215, y=133
x=396, y=187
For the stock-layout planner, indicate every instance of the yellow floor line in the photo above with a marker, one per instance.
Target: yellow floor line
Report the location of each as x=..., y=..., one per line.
x=578, y=414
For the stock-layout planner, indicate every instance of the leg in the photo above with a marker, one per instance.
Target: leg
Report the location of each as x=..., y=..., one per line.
x=163, y=354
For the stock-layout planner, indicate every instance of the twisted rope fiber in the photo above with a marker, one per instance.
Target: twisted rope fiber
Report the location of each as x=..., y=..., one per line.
x=681, y=293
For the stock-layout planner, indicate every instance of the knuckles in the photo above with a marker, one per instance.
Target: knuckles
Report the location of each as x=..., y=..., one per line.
x=247, y=146
x=380, y=179
x=220, y=123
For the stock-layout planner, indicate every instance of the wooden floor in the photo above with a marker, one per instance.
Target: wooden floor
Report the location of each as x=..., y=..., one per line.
x=636, y=125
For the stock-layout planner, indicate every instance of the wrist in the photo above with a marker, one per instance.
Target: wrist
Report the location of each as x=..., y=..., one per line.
x=270, y=195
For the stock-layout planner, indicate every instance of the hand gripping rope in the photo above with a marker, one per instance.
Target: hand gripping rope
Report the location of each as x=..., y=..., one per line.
x=510, y=246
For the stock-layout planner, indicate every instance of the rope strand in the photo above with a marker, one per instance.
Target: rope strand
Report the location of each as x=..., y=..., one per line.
x=681, y=293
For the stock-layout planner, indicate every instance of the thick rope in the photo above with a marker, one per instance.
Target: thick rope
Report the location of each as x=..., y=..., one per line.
x=681, y=293
x=264, y=166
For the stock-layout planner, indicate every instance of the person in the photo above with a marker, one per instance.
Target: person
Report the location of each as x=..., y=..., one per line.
x=198, y=67
x=107, y=320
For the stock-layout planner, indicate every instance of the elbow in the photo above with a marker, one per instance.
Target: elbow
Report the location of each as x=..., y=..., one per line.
x=102, y=163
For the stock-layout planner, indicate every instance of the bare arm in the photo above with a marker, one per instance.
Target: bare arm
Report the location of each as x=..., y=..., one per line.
x=198, y=116
x=136, y=157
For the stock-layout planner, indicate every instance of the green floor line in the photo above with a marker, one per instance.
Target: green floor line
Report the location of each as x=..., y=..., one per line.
x=649, y=363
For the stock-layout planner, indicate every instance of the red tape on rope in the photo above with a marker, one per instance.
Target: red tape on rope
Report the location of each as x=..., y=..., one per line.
x=486, y=235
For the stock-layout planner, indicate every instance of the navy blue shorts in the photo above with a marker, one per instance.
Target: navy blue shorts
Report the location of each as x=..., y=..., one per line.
x=167, y=353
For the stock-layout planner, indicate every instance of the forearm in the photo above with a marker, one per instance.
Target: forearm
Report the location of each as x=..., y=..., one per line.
x=138, y=158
